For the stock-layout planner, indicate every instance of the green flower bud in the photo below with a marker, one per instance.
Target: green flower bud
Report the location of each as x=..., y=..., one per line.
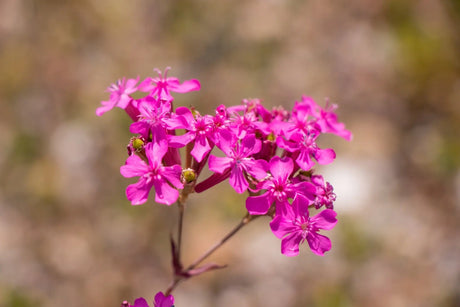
x=188, y=175
x=138, y=143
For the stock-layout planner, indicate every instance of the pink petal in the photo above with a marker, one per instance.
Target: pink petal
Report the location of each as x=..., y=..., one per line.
x=280, y=226
x=162, y=301
x=219, y=164
x=300, y=206
x=289, y=146
x=201, y=147
x=257, y=168
x=146, y=85
x=304, y=160
x=134, y=167
x=178, y=141
x=326, y=219
x=324, y=156
x=164, y=193
x=258, y=205
x=227, y=142
x=281, y=168
x=124, y=101
x=186, y=86
x=290, y=244
x=155, y=152
x=250, y=145
x=137, y=193
x=319, y=244
x=140, y=127
x=172, y=174
x=140, y=302
x=106, y=106
x=237, y=180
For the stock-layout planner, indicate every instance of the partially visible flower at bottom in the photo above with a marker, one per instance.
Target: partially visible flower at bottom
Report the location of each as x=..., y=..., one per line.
x=160, y=301
x=163, y=301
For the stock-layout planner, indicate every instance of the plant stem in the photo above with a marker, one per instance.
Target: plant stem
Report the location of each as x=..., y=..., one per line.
x=209, y=252
x=179, y=228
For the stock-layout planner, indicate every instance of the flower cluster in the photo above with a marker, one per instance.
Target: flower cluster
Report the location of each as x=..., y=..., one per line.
x=268, y=153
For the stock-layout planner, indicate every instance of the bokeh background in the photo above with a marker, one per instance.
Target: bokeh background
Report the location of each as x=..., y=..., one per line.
x=68, y=235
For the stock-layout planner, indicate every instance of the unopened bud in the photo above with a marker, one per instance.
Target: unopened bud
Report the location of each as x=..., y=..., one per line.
x=188, y=175
x=137, y=143
x=194, y=111
x=271, y=137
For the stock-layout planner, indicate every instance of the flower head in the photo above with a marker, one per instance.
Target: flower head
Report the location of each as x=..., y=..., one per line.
x=279, y=187
x=165, y=179
x=295, y=226
x=238, y=161
x=119, y=95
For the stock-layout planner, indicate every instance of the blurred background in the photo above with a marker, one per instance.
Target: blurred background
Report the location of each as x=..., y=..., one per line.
x=69, y=236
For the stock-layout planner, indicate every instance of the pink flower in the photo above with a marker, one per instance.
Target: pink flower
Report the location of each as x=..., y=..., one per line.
x=324, y=192
x=119, y=95
x=327, y=118
x=160, y=301
x=279, y=188
x=165, y=179
x=139, y=302
x=199, y=129
x=304, y=147
x=238, y=160
x=152, y=112
x=295, y=226
x=163, y=301
x=163, y=85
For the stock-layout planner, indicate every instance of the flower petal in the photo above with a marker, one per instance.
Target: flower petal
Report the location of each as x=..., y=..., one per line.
x=258, y=205
x=186, y=86
x=281, y=226
x=326, y=219
x=201, y=147
x=140, y=302
x=219, y=164
x=237, y=180
x=257, y=168
x=137, y=193
x=281, y=168
x=324, y=156
x=290, y=244
x=134, y=167
x=164, y=193
x=319, y=244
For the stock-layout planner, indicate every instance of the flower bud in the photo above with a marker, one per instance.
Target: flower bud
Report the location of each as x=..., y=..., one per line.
x=138, y=143
x=188, y=175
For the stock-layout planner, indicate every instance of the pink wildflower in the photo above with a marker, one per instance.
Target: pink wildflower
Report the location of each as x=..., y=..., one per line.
x=163, y=301
x=162, y=85
x=165, y=179
x=327, y=118
x=119, y=95
x=152, y=112
x=304, y=147
x=295, y=226
x=279, y=188
x=199, y=129
x=238, y=160
x=160, y=301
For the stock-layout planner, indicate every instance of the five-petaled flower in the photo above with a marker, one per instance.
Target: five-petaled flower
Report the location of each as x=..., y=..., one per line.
x=295, y=225
x=165, y=179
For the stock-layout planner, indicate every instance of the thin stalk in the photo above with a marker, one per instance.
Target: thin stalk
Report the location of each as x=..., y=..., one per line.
x=179, y=229
x=210, y=251
x=218, y=244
